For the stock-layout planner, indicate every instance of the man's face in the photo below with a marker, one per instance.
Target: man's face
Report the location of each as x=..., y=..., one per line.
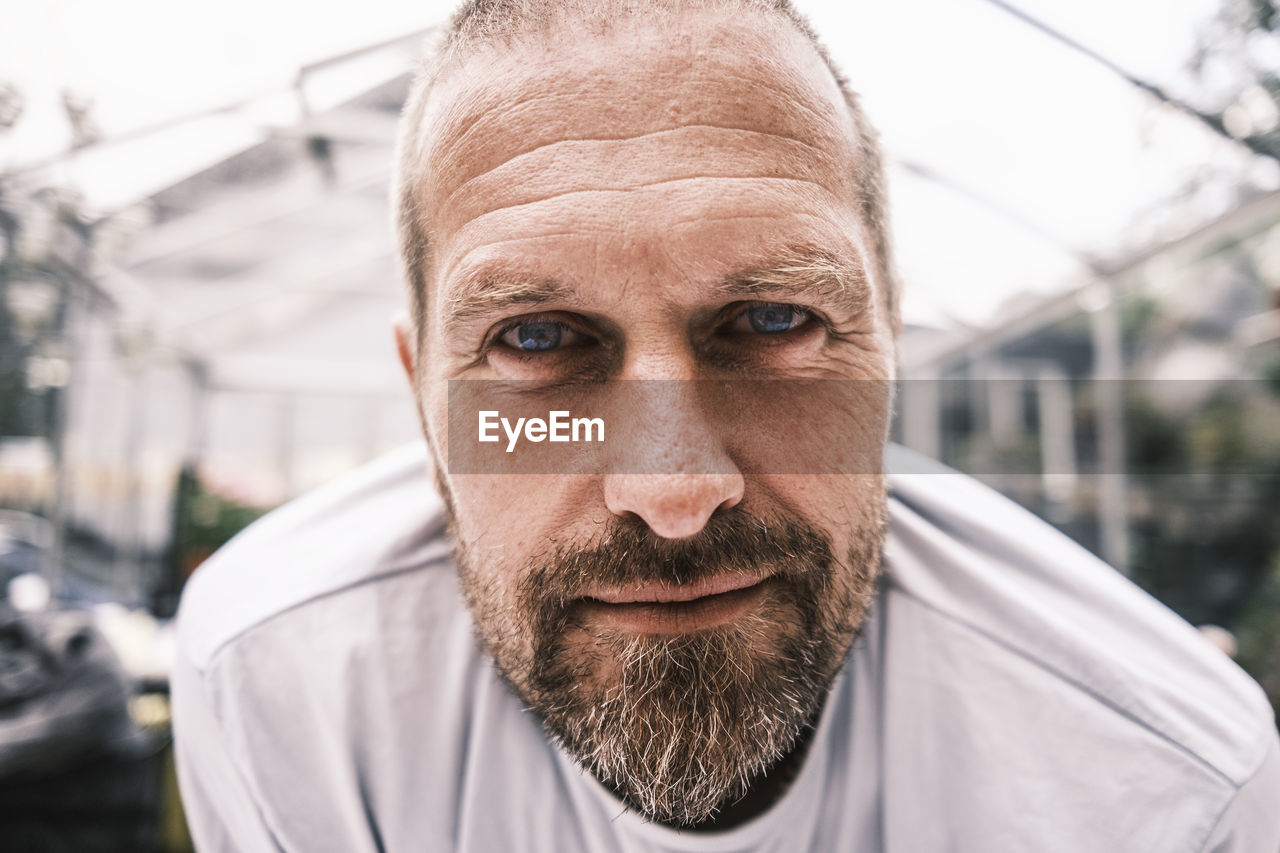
x=673, y=204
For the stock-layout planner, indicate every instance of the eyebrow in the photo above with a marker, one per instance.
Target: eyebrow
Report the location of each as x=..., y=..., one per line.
x=806, y=274
x=483, y=293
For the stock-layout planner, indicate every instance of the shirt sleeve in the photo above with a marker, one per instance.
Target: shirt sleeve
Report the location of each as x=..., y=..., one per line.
x=221, y=809
x=1251, y=821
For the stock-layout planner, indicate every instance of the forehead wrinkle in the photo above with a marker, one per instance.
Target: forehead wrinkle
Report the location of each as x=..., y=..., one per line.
x=465, y=148
x=574, y=141
x=686, y=201
x=476, y=107
x=697, y=219
x=645, y=187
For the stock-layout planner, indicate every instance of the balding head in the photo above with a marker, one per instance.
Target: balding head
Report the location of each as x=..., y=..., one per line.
x=489, y=26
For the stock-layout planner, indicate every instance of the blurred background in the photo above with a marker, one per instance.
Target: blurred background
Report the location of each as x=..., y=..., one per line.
x=197, y=276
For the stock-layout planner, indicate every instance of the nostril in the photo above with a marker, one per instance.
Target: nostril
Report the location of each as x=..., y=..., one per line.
x=729, y=502
x=674, y=506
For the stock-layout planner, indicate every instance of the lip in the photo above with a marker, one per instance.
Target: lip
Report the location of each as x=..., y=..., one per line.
x=661, y=609
x=659, y=593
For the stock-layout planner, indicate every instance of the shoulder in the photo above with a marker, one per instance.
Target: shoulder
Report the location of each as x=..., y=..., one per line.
x=326, y=672
x=372, y=527
x=1051, y=663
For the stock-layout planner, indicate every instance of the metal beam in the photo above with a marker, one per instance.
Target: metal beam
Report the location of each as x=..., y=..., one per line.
x=277, y=295
x=250, y=210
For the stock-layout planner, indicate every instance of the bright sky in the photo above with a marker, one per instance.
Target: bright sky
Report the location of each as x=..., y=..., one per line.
x=957, y=85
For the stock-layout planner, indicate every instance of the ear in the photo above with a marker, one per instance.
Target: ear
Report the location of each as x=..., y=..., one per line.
x=406, y=345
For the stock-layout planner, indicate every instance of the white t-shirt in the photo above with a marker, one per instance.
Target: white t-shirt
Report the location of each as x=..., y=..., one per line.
x=1010, y=694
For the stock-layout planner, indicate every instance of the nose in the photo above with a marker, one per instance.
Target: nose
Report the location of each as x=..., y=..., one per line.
x=670, y=466
x=674, y=506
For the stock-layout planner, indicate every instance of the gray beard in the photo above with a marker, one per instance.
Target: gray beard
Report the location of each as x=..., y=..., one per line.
x=692, y=720
x=680, y=726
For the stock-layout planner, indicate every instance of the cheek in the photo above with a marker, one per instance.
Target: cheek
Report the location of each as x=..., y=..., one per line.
x=845, y=507
x=862, y=512
x=805, y=427
x=493, y=517
x=503, y=520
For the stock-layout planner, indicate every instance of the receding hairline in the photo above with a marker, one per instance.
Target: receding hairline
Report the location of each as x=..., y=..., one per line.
x=490, y=24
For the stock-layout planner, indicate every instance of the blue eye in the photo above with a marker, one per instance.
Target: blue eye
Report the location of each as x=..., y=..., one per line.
x=534, y=336
x=774, y=318
x=538, y=336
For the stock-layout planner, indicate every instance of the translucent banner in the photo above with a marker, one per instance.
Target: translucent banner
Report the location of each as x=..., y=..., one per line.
x=820, y=426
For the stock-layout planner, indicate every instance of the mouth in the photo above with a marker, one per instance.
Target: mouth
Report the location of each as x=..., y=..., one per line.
x=653, y=608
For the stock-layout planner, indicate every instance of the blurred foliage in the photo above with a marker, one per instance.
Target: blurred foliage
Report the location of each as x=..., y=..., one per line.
x=1271, y=374
x=1258, y=636
x=1202, y=455
x=12, y=383
x=204, y=521
x=1236, y=64
x=13, y=410
x=1204, y=536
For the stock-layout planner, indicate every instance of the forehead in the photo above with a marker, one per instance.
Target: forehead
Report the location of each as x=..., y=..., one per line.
x=686, y=117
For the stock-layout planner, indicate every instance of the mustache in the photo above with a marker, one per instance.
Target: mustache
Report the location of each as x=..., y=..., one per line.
x=630, y=554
